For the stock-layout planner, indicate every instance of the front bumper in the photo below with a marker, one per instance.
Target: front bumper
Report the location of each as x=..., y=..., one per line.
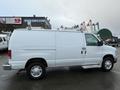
x=7, y=66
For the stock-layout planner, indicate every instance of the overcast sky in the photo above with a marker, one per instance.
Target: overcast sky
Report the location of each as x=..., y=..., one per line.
x=67, y=12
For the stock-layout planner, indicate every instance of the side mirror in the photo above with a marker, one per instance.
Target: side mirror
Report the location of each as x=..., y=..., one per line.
x=100, y=43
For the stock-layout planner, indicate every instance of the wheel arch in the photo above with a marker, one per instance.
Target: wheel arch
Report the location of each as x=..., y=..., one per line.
x=109, y=55
x=40, y=60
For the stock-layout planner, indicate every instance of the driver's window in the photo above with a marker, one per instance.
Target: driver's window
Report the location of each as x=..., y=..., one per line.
x=91, y=40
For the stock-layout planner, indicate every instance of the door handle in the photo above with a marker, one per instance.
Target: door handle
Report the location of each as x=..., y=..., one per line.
x=84, y=52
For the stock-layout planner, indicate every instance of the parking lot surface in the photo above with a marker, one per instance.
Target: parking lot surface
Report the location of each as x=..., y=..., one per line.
x=61, y=78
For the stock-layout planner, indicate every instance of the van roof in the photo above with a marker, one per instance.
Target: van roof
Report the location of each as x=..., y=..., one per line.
x=51, y=30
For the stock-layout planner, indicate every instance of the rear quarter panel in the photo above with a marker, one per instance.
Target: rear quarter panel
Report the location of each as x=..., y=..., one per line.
x=32, y=44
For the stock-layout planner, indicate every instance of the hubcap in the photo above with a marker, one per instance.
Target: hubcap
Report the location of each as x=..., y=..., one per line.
x=108, y=64
x=36, y=71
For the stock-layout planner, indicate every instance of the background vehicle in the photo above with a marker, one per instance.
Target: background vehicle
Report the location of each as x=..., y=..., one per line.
x=3, y=42
x=108, y=38
x=35, y=50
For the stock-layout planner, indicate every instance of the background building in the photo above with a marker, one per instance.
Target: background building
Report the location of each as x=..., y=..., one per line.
x=11, y=23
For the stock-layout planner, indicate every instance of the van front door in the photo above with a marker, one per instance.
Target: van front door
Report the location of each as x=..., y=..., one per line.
x=93, y=52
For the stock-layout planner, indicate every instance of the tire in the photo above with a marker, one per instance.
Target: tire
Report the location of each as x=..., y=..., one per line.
x=107, y=64
x=36, y=71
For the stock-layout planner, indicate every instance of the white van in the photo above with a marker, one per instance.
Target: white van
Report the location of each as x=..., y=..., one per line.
x=35, y=50
x=3, y=42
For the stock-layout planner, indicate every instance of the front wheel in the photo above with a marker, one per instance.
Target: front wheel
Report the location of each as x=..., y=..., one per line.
x=36, y=71
x=107, y=64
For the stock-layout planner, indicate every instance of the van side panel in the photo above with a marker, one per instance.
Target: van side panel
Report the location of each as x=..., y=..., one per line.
x=69, y=46
x=32, y=44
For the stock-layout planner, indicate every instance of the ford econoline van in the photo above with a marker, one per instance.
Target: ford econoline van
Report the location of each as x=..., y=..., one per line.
x=36, y=50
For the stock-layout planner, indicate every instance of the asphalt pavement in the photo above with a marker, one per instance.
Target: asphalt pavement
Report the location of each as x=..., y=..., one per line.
x=62, y=78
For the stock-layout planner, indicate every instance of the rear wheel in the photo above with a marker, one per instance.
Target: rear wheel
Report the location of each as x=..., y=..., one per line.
x=36, y=71
x=107, y=64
